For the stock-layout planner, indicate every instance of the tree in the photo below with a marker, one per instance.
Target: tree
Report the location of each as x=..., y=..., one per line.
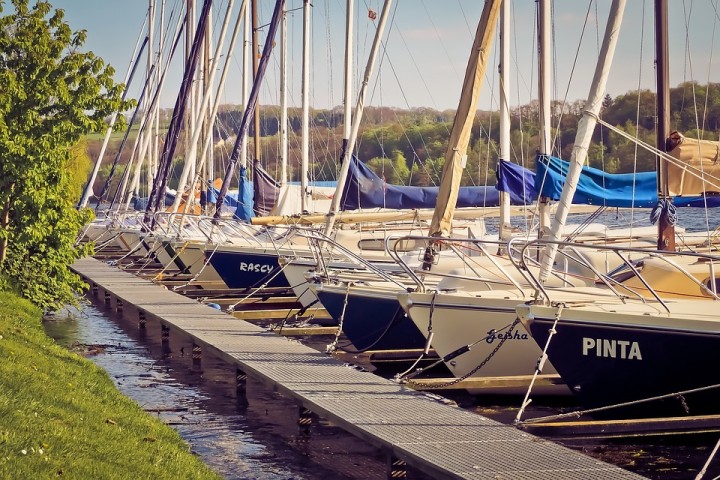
x=51, y=94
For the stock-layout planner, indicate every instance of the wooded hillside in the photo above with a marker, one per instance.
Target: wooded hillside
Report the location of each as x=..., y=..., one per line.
x=408, y=146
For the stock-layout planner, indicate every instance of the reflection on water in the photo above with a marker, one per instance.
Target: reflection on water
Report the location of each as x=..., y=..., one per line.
x=207, y=417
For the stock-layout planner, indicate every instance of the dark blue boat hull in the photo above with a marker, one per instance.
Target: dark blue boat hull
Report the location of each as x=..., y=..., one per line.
x=373, y=323
x=248, y=270
x=607, y=364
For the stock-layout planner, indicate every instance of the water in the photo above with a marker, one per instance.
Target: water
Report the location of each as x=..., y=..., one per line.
x=692, y=219
x=258, y=441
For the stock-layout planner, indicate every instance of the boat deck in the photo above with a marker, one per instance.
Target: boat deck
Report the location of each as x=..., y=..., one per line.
x=439, y=439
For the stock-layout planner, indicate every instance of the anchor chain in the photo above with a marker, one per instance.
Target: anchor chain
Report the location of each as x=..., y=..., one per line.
x=333, y=346
x=467, y=348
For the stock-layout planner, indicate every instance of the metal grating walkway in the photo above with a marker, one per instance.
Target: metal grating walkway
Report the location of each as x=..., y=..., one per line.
x=440, y=440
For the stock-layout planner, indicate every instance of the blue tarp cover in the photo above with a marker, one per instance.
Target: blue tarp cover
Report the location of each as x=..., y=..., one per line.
x=518, y=181
x=364, y=189
x=243, y=209
x=596, y=187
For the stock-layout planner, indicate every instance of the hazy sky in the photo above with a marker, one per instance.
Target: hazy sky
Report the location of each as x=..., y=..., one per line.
x=428, y=42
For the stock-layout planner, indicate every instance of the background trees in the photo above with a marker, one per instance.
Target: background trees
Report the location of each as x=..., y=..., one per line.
x=51, y=94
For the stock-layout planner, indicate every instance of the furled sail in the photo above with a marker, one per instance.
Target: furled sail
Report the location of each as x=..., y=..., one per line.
x=266, y=191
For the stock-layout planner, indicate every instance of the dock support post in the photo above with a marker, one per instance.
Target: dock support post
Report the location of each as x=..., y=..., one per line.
x=241, y=387
x=94, y=289
x=165, y=339
x=196, y=357
x=305, y=421
x=107, y=298
x=396, y=468
x=141, y=320
x=119, y=306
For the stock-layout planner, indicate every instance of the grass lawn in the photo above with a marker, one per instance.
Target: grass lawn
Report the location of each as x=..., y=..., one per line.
x=61, y=415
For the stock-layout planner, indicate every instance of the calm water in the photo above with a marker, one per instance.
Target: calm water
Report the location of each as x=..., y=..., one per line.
x=260, y=441
x=692, y=219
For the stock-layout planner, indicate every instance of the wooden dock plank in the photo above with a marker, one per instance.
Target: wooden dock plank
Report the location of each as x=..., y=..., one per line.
x=441, y=440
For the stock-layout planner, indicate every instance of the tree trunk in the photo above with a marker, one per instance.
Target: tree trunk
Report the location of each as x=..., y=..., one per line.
x=4, y=223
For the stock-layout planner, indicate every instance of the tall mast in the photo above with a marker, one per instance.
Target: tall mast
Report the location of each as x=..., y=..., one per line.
x=134, y=60
x=585, y=129
x=544, y=83
x=304, y=159
x=201, y=112
x=283, y=102
x=505, y=227
x=347, y=121
x=666, y=230
x=347, y=154
x=251, y=104
x=255, y=63
x=247, y=42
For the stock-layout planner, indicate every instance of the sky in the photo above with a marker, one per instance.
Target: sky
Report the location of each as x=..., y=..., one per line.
x=426, y=47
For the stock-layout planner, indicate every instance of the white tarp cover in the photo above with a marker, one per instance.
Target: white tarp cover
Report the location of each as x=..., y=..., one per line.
x=699, y=171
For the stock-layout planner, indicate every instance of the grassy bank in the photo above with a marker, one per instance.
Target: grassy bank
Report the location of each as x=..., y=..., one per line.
x=60, y=415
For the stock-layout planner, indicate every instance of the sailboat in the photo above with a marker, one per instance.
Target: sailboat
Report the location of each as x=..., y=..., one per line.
x=643, y=345
x=469, y=317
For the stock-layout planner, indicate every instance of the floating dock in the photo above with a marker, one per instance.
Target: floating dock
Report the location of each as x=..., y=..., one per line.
x=414, y=429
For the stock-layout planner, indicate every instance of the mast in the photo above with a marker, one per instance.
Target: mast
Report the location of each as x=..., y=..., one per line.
x=304, y=159
x=504, y=154
x=586, y=127
x=347, y=121
x=251, y=104
x=151, y=160
x=544, y=83
x=245, y=77
x=128, y=79
x=283, y=102
x=207, y=141
x=347, y=154
x=256, y=66
x=197, y=118
x=157, y=195
x=456, y=153
x=666, y=229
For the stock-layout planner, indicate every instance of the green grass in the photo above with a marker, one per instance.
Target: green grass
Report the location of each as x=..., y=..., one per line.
x=61, y=416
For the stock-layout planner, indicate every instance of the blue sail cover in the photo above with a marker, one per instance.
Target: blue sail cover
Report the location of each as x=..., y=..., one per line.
x=596, y=187
x=518, y=181
x=245, y=192
x=364, y=189
x=243, y=208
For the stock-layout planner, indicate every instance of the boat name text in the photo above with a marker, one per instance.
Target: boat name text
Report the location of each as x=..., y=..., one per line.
x=493, y=335
x=602, y=347
x=255, y=267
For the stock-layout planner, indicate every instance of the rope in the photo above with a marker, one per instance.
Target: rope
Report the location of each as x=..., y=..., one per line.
x=428, y=342
x=679, y=395
x=333, y=346
x=540, y=363
x=664, y=205
x=197, y=275
x=231, y=308
x=701, y=473
x=177, y=254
